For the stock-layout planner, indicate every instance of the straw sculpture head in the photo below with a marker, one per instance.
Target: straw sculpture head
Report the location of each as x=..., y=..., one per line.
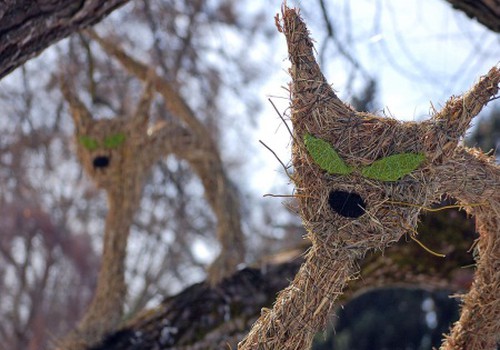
x=361, y=182
x=110, y=149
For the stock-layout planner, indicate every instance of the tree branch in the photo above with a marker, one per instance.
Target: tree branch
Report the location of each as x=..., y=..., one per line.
x=28, y=27
x=487, y=12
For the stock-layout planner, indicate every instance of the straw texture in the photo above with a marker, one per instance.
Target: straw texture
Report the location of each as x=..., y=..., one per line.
x=348, y=214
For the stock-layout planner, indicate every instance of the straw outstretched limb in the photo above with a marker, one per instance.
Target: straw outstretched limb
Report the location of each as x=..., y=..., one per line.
x=355, y=174
x=471, y=177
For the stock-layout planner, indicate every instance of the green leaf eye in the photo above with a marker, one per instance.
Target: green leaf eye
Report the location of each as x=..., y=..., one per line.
x=114, y=141
x=325, y=156
x=89, y=143
x=393, y=168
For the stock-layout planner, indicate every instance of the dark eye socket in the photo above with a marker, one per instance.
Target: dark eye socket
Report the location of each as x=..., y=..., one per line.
x=347, y=204
x=100, y=162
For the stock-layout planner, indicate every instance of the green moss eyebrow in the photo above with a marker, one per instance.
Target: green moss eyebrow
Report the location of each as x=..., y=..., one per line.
x=88, y=142
x=391, y=168
x=325, y=156
x=114, y=141
x=394, y=167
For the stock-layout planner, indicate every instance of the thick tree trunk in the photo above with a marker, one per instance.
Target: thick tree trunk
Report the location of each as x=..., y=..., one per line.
x=487, y=12
x=28, y=27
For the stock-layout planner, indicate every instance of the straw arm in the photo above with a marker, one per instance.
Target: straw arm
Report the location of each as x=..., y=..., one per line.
x=476, y=181
x=470, y=176
x=223, y=198
x=221, y=194
x=451, y=123
x=168, y=138
x=173, y=100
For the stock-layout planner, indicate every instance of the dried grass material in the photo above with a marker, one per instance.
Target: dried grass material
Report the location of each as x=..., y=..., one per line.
x=472, y=177
x=203, y=156
x=338, y=241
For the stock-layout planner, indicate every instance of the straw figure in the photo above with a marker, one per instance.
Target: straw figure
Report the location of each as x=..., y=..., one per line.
x=204, y=159
x=118, y=154
x=361, y=181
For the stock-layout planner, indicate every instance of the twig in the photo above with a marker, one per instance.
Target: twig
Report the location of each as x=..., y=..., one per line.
x=279, y=160
x=281, y=117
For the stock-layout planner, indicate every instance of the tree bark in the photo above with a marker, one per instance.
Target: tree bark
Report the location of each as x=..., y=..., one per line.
x=28, y=27
x=487, y=12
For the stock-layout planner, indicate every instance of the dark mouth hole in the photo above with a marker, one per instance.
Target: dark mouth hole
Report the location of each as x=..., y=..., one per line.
x=347, y=204
x=101, y=162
